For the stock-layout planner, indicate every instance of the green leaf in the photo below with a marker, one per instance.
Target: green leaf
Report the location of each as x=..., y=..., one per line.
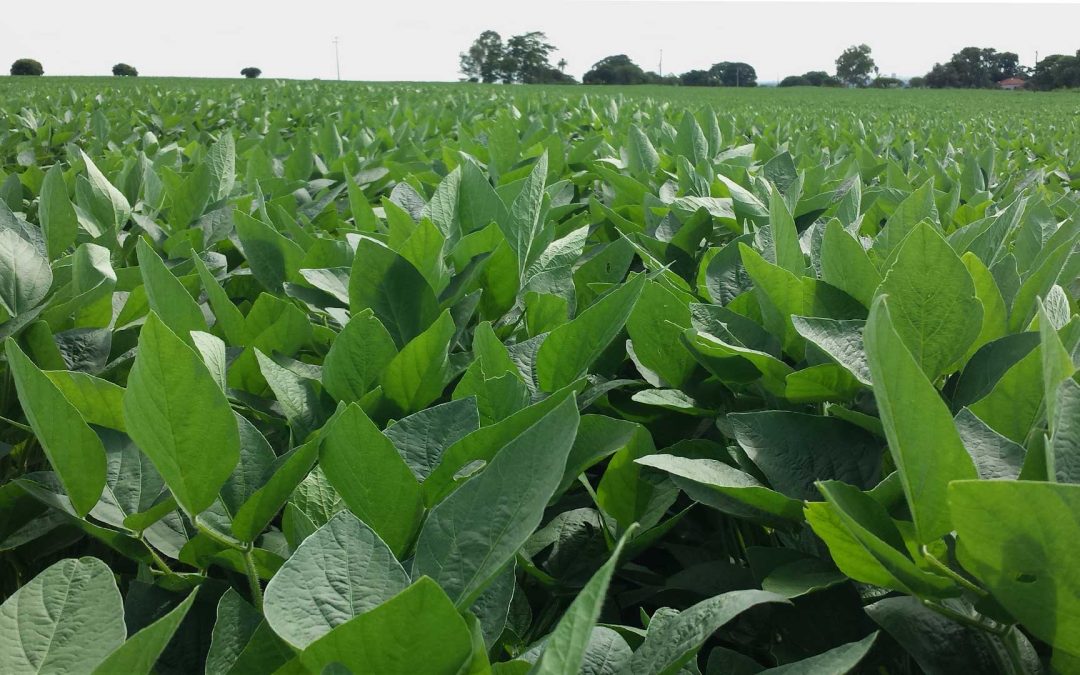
x=845, y=264
x=272, y=257
x=932, y=301
x=723, y=487
x=98, y=401
x=916, y=206
x=73, y=449
x=340, y=572
x=842, y=659
x=1024, y=556
x=673, y=643
x=167, y=296
x=69, y=618
x=417, y=375
x=572, y=347
x=417, y=631
x=474, y=533
x=785, y=238
x=523, y=226
x=923, y=440
x=389, y=285
x=369, y=474
x=565, y=648
x=171, y=407
x=263, y=504
x=656, y=325
x=242, y=641
x=110, y=207
x=25, y=277
x=56, y=213
x=358, y=356
x=138, y=655
x=793, y=450
x=423, y=437
x=941, y=646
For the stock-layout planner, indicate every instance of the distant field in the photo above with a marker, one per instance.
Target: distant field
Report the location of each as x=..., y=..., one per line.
x=335, y=377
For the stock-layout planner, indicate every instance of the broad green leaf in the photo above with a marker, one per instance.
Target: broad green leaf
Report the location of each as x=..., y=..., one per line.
x=842, y=659
x=25, y=276
x=416, y=631
x=419, y=373
x=341, y=571
x=474, y=533
x=923, y=441
x=272, y=257
x=73, y=449
x=242, y=641
x=57, y=215
x=389, y=285
x=523, y=226
x=672, y=644
x=423, y=437
x=1024, y=556
x=358, y=356
x=845, y=264
x=110, y=207
x=140, y=652
x=842, y=340
x=917, y=206
x=932, y=301
x=785, y=238
x=941, y=646
x=172, y=406
x=572, y=347
x=374, y=481
x=723, y=487
x=167, y=296
x=565, y=648
x=656, y=325
x=263, y=504
x=68, y=618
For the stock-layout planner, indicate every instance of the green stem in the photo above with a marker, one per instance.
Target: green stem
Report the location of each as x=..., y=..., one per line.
x=964, y=619
x=158, y=560
x=17, y=425
x=253, y=579
x=951, y=573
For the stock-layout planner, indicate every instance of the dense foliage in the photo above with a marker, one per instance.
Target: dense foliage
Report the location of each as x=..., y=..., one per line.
x=251, y=72
x=523, y=59
x=27, y=67
x=974, y=68
x=124, y=70
x=328, y=378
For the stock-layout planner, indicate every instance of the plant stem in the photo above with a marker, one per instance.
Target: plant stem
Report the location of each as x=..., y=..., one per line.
x=17, y=425
x=964, y=619
x=158, y=560
x=253, y=578
x=951, y=573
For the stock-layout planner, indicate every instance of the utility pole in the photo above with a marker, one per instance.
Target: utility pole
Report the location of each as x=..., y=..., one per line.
x=337, y=58
x=661, y=66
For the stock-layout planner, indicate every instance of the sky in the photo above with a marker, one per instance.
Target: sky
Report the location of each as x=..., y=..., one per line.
x=420, y=40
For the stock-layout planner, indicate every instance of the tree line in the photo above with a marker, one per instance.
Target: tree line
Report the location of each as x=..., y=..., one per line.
x=33, y=68
x=526, y=59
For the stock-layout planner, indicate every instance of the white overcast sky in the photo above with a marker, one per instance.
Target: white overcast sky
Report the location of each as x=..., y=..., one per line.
x=421, y=40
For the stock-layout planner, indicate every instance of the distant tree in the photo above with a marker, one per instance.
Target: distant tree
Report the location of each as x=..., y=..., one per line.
x=561, y=65
x=699, y=78
x=484, y=59
x=1057, y=71
x=886, y=83
x=27, y=67
x=917, y=83
x=124, y=70
x=616, y=69
x=671, y=79
x=549, y=75
x=251, y=72
x=796, y=81
x=734, y=74
x=855, y=65
x=525, y=58
x=974, y=68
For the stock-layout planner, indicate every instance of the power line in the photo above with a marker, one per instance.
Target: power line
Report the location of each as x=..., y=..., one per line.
x=337, y=58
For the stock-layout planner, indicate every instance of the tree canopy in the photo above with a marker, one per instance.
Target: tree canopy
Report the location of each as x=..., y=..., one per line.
x=251, y=72
x=1057, y=71
x=27, y=67
x=616, y=69
x=124, y=70
x=974, y=68
x=855, y=65
x=522, y=58
x=812, y=78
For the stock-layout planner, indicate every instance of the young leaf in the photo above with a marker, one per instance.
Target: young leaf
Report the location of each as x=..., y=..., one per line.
x=68, y=618
x=923, y=440
x=475, y=532
x=341, y=571
x=179, y=416
x=138, y=655
x=389, y=285
x=73, y=449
